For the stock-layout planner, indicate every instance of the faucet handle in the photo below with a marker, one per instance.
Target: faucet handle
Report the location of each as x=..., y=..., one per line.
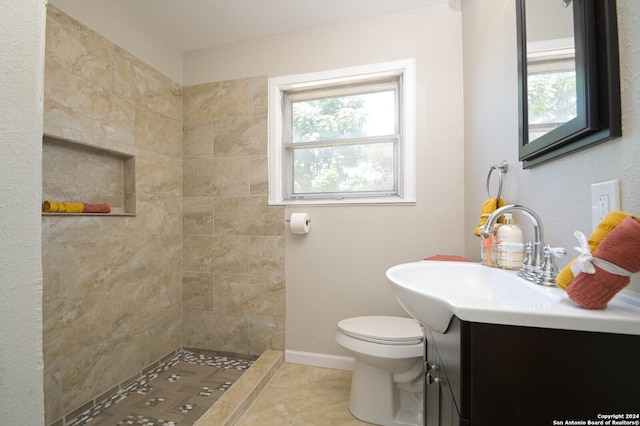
x=549, y=270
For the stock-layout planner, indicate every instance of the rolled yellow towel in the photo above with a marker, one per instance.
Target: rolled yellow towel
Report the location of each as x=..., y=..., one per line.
x=488, y=207
x=61, y=207
x=610, y=221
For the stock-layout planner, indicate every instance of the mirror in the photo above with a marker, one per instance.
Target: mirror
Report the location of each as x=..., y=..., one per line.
x=568, y=72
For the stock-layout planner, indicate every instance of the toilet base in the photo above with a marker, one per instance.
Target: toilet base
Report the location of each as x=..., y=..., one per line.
x=375, y=398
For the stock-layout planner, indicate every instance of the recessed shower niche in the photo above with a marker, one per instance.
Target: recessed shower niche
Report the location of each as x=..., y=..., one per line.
x=77, y=172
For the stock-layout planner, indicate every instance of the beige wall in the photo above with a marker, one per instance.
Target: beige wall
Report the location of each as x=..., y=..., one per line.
x=560, y=190
x=337, y=270
x=112, y=285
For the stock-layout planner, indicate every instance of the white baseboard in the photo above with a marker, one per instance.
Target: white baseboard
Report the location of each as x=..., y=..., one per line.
x=319, y=360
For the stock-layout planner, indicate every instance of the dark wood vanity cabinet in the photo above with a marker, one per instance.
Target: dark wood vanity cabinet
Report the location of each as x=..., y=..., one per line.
x=489, y=375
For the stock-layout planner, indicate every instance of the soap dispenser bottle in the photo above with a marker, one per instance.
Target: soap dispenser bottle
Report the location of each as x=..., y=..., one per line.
x=510, y=253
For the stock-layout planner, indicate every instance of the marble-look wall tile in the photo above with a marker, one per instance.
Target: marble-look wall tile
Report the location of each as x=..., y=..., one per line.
x=197, y=215
x=158, y=173
x=259, y=181
x=198, y=177
x=138, y=304
x=204, y=102
x=76, y=103
x=91, y=266
x=75, y=322
x=247, y=215
x=248, y=295
x=78, y=49
x=227, y=332
x=267, y=255
x=198, y=141
x=266, y=332
x=158, y=133
x=52, y=392
x=112, y=286
x=146, y=86
x=226, y=163
x=197, y=290
x=51, y=258
x=159, y=214
x=216, y=253
x=241, y=136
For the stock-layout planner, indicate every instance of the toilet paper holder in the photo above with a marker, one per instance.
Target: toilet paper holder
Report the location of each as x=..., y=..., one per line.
x=308, y=221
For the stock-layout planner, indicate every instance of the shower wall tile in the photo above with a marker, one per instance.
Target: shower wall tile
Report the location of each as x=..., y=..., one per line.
x=197, y=215
x=51, y=258
x=240, y=241
x=112, y=286
x=198, y=177
x=146, y=86
x=198, y=141
x=78, y=49
x=90, y=266
x=266, y=332
x=158, y=133
x=247, y=215
x=75, y=322
x=157, y=173
x=267, y=255
x=158, y=214
x=197, y=290
x=241, y=136
x=248, y=295
x=216, y=253
x=76, y=103
x=228, y=332
x=204, y=102
x=140, y=303
x=259, y=180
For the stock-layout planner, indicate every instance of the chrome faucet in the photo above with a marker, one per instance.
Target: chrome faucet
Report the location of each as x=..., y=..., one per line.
x=539, y=265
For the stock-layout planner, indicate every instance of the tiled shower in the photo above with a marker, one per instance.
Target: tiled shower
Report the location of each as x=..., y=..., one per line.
x=199, y=265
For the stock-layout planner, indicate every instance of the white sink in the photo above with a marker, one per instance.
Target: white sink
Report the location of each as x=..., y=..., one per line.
x=433, y=292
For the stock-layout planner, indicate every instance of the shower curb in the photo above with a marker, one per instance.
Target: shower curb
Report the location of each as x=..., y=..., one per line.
x=234, y=403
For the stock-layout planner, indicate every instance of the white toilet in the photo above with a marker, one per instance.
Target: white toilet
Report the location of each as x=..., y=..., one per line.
x=387, y=382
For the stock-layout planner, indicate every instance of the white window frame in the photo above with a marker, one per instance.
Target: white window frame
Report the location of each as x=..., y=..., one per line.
x=278, y=167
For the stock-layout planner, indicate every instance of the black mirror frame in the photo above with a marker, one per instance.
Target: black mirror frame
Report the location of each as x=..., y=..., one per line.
x=598, y=84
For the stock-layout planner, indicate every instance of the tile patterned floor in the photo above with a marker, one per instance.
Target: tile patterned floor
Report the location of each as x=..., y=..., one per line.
x=176, y=393
x=302, y=395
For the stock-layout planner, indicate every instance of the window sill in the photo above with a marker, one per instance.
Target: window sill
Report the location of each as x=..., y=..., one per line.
x=346, y=201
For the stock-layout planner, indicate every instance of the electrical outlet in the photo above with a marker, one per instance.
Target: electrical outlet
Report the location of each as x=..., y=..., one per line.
x=605, y=197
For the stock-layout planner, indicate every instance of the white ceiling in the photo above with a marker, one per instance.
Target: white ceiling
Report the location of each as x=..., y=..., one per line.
x=198, y=24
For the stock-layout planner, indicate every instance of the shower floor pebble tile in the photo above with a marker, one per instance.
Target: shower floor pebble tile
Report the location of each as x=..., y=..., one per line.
x=176, y=393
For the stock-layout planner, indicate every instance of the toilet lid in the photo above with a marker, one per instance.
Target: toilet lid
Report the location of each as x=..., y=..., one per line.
x=383, y=330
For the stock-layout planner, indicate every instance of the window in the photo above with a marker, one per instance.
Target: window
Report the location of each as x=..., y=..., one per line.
x=343, y=136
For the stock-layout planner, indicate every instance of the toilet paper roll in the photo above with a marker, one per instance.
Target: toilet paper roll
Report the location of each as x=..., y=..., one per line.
x=299, y=223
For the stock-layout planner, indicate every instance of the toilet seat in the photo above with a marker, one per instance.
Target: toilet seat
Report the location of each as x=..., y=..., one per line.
x=383, y=330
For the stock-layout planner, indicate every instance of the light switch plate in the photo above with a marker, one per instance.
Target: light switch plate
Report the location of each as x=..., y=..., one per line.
x=605, y=197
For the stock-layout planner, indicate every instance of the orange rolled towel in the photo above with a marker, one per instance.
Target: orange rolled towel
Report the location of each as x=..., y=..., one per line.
x=610, y=221
x=621, y=247
x=96, y=208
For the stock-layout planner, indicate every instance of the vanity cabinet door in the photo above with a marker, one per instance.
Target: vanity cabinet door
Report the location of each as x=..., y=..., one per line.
x=440, y=408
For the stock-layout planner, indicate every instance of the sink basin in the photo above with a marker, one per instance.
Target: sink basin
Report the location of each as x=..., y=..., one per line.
x=433, y=292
